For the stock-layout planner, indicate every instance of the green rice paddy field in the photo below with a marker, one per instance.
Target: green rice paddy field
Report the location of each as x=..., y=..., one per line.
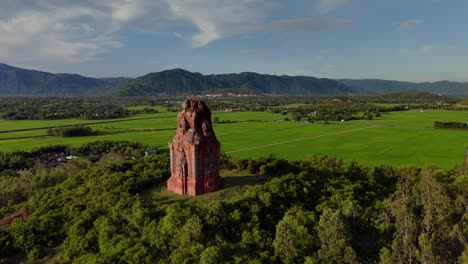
x=397, y=138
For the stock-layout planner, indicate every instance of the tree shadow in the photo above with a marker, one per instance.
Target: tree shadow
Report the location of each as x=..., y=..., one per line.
x=111, y=132
x=25, y=137
x=120, y=131
x=235, y=180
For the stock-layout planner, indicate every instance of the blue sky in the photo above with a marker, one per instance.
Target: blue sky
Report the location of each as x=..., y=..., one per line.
x=412, y=40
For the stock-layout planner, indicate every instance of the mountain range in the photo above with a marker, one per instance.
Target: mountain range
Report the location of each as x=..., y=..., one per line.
x=181, y=82
x=367, y=86
x=18, y=81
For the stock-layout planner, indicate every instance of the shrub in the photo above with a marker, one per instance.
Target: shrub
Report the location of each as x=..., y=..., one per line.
x=71, y=131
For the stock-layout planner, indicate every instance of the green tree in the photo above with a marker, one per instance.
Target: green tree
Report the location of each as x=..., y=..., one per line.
x=402, y=207
x=211, y=255
x=435, y=204
x=334, y=239
x=294, y=238
x=385, y=256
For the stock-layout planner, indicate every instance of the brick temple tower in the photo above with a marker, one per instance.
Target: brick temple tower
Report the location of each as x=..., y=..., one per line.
x=195, y=151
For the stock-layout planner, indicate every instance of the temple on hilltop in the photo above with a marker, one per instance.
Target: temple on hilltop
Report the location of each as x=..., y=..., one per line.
x=195, y=151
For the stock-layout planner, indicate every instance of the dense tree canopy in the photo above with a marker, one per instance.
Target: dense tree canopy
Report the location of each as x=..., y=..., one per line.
x=319, y=210
x=29, y=108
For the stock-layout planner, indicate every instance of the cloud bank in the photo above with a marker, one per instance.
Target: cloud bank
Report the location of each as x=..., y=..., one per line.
x=71, y=31
x=225, y=18
x=65, y=31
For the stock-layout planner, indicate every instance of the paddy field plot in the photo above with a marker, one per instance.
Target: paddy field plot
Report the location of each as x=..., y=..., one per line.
x=395, y=138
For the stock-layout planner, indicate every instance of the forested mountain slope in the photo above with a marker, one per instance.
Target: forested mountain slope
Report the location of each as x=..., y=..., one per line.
x=17, y=81
x=180, y=82
x=367, y=86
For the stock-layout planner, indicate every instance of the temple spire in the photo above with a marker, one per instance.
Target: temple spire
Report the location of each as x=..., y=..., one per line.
x=195, y=151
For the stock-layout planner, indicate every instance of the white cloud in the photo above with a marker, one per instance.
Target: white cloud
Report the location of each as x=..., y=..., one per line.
x=77, y=31
x=70, y=31
x=224, y=18
x=409, y=24
x=214, y=19
x=127, y=10
x=62, y=31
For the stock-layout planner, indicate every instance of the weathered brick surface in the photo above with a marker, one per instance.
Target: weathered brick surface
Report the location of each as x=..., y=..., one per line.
x=195, y=151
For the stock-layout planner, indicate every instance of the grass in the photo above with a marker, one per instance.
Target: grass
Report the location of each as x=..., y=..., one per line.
x=425, y=118
x=159, y=108
x=288, y=105
x=234, y=183
x=396, y=138
x=7, y=125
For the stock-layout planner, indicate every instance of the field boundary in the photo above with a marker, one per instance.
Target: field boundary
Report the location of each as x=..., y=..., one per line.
x=81, y=124
x=299, y=139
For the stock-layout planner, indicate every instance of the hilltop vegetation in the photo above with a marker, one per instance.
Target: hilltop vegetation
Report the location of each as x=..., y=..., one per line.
x=109, y=210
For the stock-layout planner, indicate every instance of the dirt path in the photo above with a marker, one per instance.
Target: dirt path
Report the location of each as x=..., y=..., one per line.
x=299, y=139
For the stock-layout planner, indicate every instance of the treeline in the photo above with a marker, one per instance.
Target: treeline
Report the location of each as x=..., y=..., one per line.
x=11, y=162
x=71, y=131
x=334, y=110
x=409, y=97
x=313, y=211
x=404, y=107
x=450, y=125
x=48, y=108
